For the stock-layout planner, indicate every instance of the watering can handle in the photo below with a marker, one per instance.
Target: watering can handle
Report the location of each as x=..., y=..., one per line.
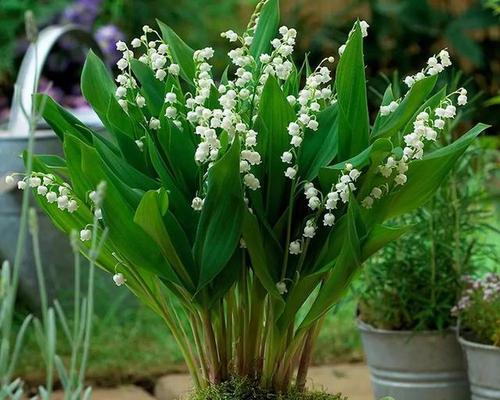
x=31, y=68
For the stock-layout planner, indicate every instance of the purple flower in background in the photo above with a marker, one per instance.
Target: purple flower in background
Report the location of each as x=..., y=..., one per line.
x=107, y=36
x=82, y=12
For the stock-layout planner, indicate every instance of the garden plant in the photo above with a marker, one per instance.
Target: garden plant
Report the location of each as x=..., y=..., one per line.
x=415, y=281
x=253, y=198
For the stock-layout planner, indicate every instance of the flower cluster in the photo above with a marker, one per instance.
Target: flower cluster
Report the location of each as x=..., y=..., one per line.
x=427, y=125
x=479, y=308
x=317, y=202
x=435, y=65
x=47, y=187
x=486, y=289
x=310, y=101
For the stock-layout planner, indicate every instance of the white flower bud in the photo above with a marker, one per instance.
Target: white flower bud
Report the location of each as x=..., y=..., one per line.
x=364, y=28
x=295, y=247
x=51, y=197
x=62, y=202
x=121, y=46
x=341, y=50
x=367, y=202
x=290, y=172
x=313, y=125
x=98, y=213
x=136, y=42
x=72, y=206
x=174, y=69
x=9, y=179
x=328, y=219
x=85, y=235
x=160, y=74
x=314, y=202
x=439, y=123
x=287, y=157
x=154, y=123
x=119, y=279
x=400, y=179
x=141, y=101
x=376, y=193
x=197, y=203
x=281, y=287
x=251, y=181
x=35, y=181
x=21, y=185
x=42, y=190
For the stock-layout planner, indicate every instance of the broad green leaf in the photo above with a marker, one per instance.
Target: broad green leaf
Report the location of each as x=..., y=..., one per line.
x=424, y=178
x=266, y=29
x=98, y=86
x=181, y=52
x=219, y=229
x=346, y=265
x=177, y=150
x=264, y=265
x=389, y=125
x=180, y=204
x=149, y=217
x=351, y=98
x=380, y=236
x=152, y=89
x=60, y=120
x=319, y=148
x=275, y=113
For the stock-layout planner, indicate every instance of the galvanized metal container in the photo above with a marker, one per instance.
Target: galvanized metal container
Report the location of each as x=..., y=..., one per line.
x=54, y=245
x=415, y=365
x=483, y=366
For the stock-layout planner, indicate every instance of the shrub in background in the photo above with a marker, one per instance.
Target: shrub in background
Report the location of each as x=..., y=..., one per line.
x=413, y=283
x=252, y=198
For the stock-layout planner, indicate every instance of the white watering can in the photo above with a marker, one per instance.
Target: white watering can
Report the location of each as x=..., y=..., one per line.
x=56, y=253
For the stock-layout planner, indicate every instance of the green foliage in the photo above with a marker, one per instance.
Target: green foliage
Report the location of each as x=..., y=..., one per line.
x=205, y=189
x=413, y=283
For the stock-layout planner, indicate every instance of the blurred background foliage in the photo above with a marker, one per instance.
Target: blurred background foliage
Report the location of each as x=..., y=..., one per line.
x=404, y=34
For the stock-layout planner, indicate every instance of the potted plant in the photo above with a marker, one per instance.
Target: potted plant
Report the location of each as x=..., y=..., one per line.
x=478, y=311
x=253, y=198
x=410, y=287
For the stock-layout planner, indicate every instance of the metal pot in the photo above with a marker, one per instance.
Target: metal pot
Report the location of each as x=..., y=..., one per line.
x=56, y=252
x=483, y=366
x=415, y=365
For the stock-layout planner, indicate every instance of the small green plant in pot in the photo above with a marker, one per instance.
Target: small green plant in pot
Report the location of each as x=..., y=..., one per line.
x=478, y=311
x=411, y=286
x=253, y=197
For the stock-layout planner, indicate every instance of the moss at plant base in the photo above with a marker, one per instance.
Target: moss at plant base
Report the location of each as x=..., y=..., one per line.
x=238, y=388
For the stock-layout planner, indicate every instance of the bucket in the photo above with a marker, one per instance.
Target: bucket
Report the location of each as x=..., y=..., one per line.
x=411, y=365
x=56, y=254
x=483, y=366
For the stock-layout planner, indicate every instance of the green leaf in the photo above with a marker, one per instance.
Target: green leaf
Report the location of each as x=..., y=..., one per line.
x=346, y=265
x=60, y=120
x=175, y=144
x=267, y=28
x=152, y=89
x=351, y=98
x=319, y=148
x=424, y=178
x=181, y=52
x=219, y=229
x=98, y=86
x=275, y=113
x=380, y=236
x=389, y=125
x=149, y=217
x=265, y=265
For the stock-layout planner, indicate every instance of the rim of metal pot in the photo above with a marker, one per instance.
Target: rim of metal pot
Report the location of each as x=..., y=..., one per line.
x=31, y=69
x=40, y=134
x=365, y=327
x=477, y=345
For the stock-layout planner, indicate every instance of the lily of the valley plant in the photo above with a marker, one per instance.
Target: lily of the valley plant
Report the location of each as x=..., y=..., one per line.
x=254, y=197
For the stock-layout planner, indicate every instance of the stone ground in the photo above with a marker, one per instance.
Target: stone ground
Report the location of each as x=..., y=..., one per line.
x=352, y=380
